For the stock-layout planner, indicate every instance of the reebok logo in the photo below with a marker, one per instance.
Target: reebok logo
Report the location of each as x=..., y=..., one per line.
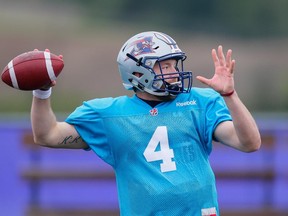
x=186, y=103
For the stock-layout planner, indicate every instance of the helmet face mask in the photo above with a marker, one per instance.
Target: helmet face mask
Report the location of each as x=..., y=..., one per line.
x=141, y=53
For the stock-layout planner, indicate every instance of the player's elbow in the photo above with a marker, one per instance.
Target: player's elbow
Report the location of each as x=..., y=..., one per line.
x=42, y=141
x=39, y=141
x=253, y=145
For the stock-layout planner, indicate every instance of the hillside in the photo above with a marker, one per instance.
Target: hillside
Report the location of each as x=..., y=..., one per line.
x=90, y=52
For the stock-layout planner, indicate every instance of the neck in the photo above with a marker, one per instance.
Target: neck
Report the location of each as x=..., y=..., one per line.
x=150, y=97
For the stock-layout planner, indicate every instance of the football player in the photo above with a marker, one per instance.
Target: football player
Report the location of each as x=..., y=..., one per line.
x=159, y=140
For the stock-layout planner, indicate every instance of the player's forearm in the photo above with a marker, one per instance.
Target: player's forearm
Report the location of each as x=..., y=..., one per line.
x=245, y=125
x=43, y=120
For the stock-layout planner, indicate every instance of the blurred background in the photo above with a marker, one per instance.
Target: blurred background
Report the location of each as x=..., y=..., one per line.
x=89, y=34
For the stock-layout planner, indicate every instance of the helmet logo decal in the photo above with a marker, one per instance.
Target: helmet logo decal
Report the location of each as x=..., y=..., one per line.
x=142, y=46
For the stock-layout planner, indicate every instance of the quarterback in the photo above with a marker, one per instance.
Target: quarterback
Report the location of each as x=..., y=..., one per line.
x=159, y=140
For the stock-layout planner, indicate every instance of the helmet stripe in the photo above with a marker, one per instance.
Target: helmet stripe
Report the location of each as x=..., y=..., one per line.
x=170, y=41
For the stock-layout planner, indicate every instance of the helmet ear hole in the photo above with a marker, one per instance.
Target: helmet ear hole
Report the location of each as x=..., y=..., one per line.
x=137, y=74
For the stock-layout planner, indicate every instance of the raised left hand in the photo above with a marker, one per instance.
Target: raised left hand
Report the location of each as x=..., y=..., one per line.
x=223, y=79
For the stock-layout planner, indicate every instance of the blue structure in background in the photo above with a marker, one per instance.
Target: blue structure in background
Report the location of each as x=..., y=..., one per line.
x=245, y=181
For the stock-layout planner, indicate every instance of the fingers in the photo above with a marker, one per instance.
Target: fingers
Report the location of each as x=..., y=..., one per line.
x=215, y=58
x=228, y=58
x=221, y=56
x=53, y=83
x=229, y=62
x=203, y=80
x=232, y=66
x=221, y=60
x=49, y=85
x=218, y=56
x=48, y=50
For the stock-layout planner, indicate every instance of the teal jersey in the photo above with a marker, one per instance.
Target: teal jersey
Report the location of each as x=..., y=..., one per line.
x=159, y=155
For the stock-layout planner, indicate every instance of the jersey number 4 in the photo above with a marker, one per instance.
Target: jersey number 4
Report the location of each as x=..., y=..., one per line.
x=163, y=153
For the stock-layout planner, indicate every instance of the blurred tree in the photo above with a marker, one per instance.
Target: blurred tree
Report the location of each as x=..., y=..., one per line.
x=266, y=70
x=241, y=18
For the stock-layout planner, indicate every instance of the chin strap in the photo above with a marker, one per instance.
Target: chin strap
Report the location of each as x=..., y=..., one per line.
x=175, y=87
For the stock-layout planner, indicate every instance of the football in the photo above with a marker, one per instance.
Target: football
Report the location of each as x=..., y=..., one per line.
x=32, y=70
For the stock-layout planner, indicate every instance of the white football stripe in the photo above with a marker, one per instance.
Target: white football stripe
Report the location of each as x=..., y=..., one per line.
x=49, y=66
x=12, y=74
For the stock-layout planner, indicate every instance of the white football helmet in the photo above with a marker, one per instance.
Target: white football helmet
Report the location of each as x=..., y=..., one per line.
x=140, y=53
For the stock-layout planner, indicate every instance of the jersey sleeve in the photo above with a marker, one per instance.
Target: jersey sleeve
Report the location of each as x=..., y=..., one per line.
x=216, y=112
x=89, y=124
